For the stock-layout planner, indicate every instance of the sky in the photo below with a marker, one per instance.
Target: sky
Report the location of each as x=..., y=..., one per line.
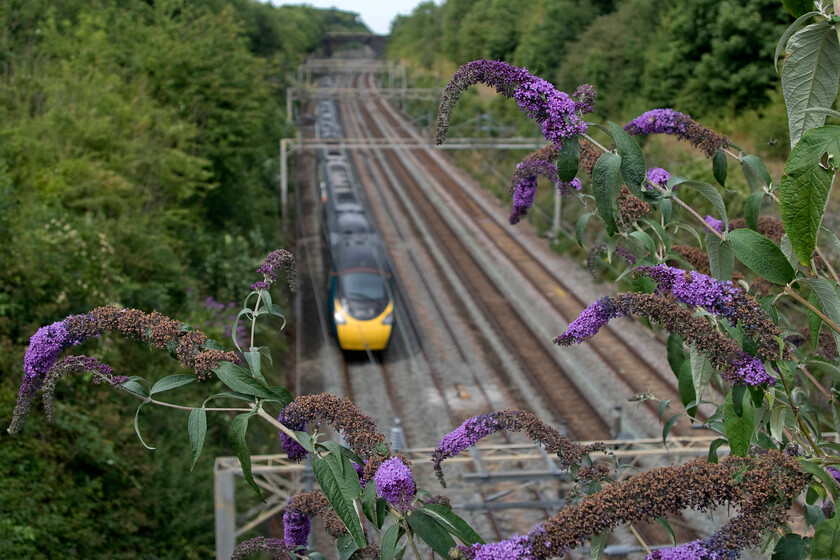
x=376, y=14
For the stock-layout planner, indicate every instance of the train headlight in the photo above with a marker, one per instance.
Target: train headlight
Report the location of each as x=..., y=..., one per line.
x=338, y=317
x=389, y=319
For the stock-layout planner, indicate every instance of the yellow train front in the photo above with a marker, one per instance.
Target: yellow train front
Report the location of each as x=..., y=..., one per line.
x=360, y=296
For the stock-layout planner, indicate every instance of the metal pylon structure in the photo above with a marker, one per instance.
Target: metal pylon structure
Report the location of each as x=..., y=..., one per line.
x=514, y=466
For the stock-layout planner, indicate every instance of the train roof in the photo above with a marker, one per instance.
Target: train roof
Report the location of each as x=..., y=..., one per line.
x=359, y=251
x=351, y=222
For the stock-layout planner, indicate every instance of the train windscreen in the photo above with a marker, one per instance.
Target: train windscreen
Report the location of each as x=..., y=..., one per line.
x=363, y=294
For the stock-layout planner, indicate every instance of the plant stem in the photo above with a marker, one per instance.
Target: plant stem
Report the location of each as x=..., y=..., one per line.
x=789, y=291
x=594, y=142
x=639, y=538
x=254, y=319
x=182, y=407
x=274, y=422
x=817, y=384
x=694, y=213
x=833, y=272
x=799, y=421
x=410, y=536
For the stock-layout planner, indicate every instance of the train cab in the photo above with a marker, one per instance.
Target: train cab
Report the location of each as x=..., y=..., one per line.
x=360, y=296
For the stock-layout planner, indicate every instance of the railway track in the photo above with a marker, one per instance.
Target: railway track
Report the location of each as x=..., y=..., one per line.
x=537, y=362
x=536, y=358
x=615, y=351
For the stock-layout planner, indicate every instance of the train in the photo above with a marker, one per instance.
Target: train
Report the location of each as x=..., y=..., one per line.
x=360, y=301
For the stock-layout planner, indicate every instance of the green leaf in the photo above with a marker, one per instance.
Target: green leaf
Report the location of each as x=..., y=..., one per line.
x=580, y=225
x=739, y=420
x=568, y=159
x=686, y=389
x=236, y=437
x=814, y=515
x=821, y=475
x=715, y=445
x=676, y=354
x=777, y=423
x=211, y=344
x=669, y=425
x=171, y=382
x=381, y=510
x=137, y=426
x=755, y=172
x=230, y=395
x=792, y=547
x=752, y=208
x=369, y=504
x=254, y=360
x=388, y=545
x=134, y=386
x=282, y=394
x=711, y=194
x=597, y=543
x=761, y=255
x=645, y=241
x=814, y=320
x=325, y=473
x=246, y=312
x=792, y=28
x=668, y=529
x=833, y=241
x=632, y=161
x=719, y=166
x=663, y=236
x=701, y=372
x=305, y=440
x=451, y=522
x=663, y=406
x=241, y=381
x=606, y=180
x=346, y=546
x=666, y=206
x=721, y=258
x=805, y=188
x=197, y=429
x=826, y=292
x=345, y=473
x=810, y=76
x=432, y=533
x=826, y=542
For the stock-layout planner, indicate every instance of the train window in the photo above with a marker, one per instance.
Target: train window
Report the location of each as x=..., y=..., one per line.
x=363, y=285
x=344, y=197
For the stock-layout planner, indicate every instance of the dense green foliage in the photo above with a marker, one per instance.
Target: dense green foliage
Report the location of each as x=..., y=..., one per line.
x=637, y=53
x=138, y=146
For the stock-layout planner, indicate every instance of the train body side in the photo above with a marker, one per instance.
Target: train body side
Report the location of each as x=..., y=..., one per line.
x=360, y=302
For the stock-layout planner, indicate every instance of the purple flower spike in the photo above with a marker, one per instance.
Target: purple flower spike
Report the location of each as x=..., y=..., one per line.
x=394, y=483
x=658, y=176
x=659, y=121
x=41, y=354
x=555, y=110
x=834, y=472
x=668, y=121
x=523, y=198
x=714, y=224
x=296, y=526
x=277, y=260
x=465, y=436
x=748, y=371
x=693, y=550
x=589, y=322
x=514, y=548
x=524, y=184
x=293, y=449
